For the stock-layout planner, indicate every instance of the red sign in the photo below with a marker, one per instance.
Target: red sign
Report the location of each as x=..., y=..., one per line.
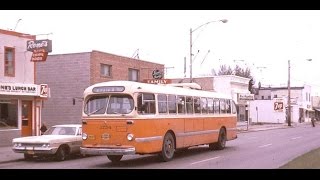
x=44, y=90
x=39, y=55
x=278, y=106
x=157, y=81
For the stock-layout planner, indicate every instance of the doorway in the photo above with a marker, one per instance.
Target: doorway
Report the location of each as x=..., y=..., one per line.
x=26, y=125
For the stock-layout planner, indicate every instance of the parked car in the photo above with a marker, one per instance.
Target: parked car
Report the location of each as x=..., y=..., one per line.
x=58, y=141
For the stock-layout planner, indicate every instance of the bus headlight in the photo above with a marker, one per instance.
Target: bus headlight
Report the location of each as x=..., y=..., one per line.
x=130, y=137
x=84, y=136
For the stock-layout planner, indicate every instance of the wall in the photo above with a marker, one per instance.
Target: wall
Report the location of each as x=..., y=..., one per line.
x=67, y=75
x=265, y=113
x=120, y=66
x=24, y=68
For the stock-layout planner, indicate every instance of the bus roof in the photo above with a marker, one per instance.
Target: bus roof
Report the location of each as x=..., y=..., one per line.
x=131, y=87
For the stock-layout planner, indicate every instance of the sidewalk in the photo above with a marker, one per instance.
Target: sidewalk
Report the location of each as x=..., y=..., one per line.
x=243, y=127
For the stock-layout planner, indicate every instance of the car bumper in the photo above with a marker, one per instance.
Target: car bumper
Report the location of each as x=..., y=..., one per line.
x=35, y=150
x=107, y=151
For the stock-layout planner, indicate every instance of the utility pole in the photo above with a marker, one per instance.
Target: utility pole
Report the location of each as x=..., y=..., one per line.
x=289, y=96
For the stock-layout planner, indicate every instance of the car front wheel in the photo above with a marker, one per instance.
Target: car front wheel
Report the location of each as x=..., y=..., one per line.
x=61, y=154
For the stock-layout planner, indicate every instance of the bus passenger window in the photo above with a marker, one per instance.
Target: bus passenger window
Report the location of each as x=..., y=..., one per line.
x=222, y=106
x=228, y=107
x=146, y=103
x=196, y=103
x=172, y=104
x=162, y=104
x=210, y=105
x=216, y=103
x=189, y=104
x=204, y=106
x=181, y=104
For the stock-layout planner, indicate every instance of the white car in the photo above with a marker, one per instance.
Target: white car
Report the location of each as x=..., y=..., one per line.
x=58, y=141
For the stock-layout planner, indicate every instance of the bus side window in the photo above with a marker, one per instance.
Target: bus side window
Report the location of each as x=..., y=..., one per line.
x=146, y=103
x=197, y=108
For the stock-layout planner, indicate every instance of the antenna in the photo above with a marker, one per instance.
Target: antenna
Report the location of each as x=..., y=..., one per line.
x=17, y=24
x=136, y=54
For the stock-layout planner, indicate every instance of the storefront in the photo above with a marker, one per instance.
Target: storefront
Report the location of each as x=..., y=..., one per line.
x=20, y=110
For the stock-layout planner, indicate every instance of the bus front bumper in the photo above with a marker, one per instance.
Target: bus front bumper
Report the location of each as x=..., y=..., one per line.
x=107, y=151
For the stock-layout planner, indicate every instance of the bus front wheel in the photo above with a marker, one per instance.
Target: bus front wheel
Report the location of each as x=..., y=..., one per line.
x=168, y=147
x=114, y=158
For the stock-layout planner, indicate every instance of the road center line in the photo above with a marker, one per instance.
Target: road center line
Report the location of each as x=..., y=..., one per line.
x=298, y=137
x=205, y=160
x=266, y=145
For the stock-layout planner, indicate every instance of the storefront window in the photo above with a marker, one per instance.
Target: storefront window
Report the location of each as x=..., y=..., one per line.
x=8, y=114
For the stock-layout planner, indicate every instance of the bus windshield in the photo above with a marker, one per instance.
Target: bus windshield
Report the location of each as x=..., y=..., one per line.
x=110, y=104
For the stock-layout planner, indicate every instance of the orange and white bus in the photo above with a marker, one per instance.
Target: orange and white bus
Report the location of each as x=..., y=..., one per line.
x=124, y=117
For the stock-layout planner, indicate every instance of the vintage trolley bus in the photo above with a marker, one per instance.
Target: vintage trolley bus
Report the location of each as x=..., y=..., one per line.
x=125, y=117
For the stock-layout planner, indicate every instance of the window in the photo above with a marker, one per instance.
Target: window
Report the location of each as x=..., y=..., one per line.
x=204, y=106
x=262, y=97
x=275, y=96
x=162, y=104
x=228, y=106
x=223, y=106
x=8, y=114
x=133, y=75
x=197, y=107
x=189, y=104
x=210, y=105
x=172, y=104
x=105, y=70
x=9, y=61
x=181, y=104
x=216, y=104
x=146, y=103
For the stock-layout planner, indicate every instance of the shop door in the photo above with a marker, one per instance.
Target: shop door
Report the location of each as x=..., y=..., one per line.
x=26, y=127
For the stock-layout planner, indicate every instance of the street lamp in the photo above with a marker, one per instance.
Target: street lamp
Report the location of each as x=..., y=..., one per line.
x=289, y=94
x=191, y=31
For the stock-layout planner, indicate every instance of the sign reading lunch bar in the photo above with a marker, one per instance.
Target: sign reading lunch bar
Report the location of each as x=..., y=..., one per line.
x=40, y=49
x=41, y=90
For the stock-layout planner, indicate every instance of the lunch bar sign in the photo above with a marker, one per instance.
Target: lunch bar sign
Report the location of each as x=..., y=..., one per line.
x=24, y=89
x=39, y=49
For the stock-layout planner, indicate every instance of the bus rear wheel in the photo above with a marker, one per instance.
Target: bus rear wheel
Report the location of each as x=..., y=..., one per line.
x=221, y=144
x=168, y=147
x=114, y=158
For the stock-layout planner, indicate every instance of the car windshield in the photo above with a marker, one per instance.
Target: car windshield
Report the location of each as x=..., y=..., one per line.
x=61, y=131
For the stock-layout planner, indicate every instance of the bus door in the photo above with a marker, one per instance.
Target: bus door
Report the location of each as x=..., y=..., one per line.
x=26, y=126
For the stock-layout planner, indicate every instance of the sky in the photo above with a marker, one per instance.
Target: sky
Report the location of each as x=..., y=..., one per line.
x=262, y=40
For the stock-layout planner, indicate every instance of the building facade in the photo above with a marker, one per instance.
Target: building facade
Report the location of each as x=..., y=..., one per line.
x=20, y=97
x=68, y=75
x=270, y=105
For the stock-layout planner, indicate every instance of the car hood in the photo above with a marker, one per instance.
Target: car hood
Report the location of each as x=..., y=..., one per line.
x=46, y=139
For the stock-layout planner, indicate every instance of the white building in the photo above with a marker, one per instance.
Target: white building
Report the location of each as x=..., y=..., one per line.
x=270, y=105
x=20, y=99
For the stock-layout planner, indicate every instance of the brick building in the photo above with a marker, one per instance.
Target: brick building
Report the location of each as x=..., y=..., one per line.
x=68, y=75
